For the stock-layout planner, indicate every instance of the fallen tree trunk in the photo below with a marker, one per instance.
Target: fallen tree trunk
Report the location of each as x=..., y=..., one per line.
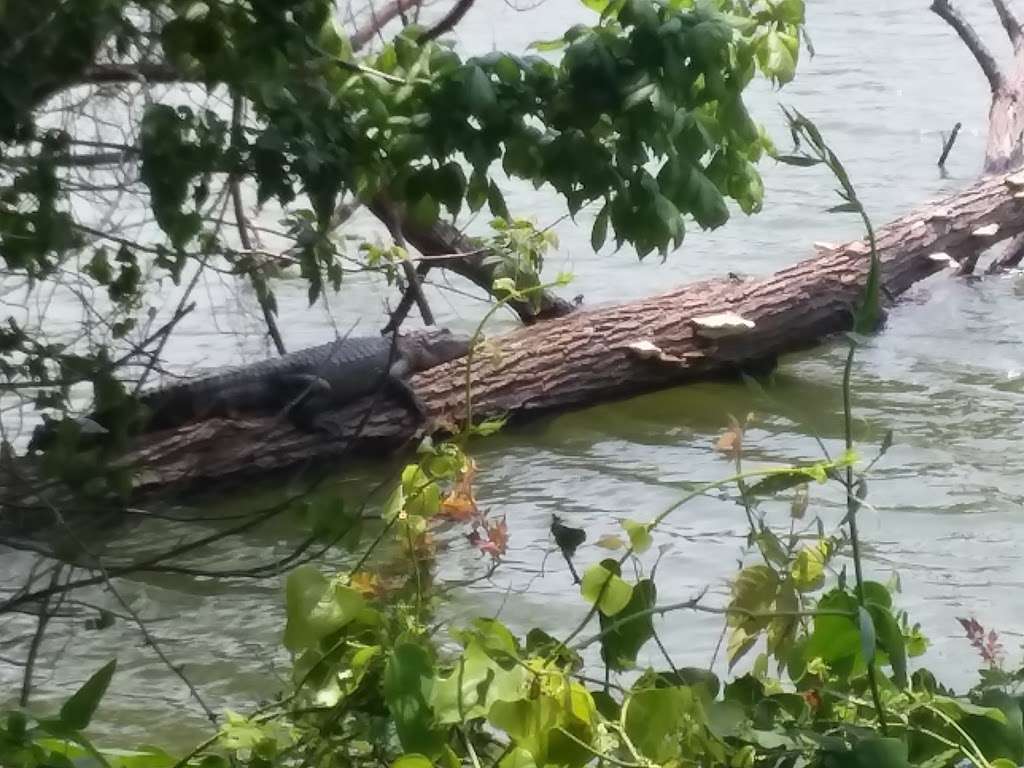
x=699, y=331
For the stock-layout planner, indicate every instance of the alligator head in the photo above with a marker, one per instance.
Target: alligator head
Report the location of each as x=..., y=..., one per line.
x=434, y=346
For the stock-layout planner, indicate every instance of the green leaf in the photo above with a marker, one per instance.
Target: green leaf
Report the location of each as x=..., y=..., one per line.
x=782, y=480
x=867, y=634
x=655, y=718
x=803, y=161
x=412, y=761
x=545, y=46
x=639, y=535
x=602, y=581
x=707, y=205
x=599, y=233
x=877, y=593
x=496, y=201
x=777, y=56
x=316, y=607
x=834, y=636
x=844, y=208
x=507, y=69
x=425, y=211
x=496, y=639
x=476, y=192
x=408, y=685
x=890, y=638
x=528, y=722
x=480, y=95
x=869, y=313
x=620, y=646
x=998, y=730
x=477, y=681
x=449, y=182
x=77, y=711
x=754, y=590
x=877, y=752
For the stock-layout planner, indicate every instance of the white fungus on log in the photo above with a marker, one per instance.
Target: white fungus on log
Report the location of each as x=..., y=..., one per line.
x=989, y=230
x=943, y=257
x=721, y=325
x=1016, y=181
x=648, y=350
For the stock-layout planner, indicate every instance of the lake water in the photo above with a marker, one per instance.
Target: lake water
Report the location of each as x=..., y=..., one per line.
x=947, y=376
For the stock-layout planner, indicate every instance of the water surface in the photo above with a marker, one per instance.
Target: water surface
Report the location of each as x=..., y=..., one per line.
x=945, y=376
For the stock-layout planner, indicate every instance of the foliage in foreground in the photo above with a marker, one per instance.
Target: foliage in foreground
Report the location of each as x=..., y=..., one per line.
x=375, y=684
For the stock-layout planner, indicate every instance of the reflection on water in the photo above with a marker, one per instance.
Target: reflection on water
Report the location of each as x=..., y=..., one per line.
x=947, y=376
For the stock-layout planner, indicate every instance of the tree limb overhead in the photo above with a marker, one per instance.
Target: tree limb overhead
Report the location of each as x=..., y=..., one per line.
x=1009, y=20
x=963, y=28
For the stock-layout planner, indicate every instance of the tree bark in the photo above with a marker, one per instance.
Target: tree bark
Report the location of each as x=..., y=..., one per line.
x=450, y=249
x=610, y=352
x=1004, y=147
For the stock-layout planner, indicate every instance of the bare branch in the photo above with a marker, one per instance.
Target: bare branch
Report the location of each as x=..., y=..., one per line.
x=242, y=222
x=1009, y=20
x=87, y=160
x=45, y=614
x=380, y=19
x=448, y=21
x=963, y=28
x=142, y=72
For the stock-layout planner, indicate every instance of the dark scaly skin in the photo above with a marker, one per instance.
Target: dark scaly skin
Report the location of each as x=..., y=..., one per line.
x=299, y=386
x=310, y=381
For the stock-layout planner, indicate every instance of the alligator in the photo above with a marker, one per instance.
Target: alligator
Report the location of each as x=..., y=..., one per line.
x=300, y=385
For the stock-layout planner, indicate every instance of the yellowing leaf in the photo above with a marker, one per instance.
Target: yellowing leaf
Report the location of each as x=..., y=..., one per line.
x=610, y=541
x=808, y=569
x=739, y=644
x=639, y=535
x=460, y=503
x=603, y=587
x=730, y=443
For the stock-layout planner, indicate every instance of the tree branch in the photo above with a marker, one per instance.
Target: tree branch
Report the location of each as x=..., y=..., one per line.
x=448, y=21
x=470, y=261
x=970, y=38
x=142, y=72
x=414, y=288
x=1009, y=20
x=243, y=234
x=380, y=19
x=408, y=299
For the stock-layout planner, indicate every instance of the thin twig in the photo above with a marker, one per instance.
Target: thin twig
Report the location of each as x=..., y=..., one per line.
x=448, y=21
x=242, y=222
x=947, y=145
x=37, y=639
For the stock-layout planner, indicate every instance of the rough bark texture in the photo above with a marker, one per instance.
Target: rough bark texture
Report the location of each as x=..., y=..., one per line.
x=1004, y=147
x=589, y=356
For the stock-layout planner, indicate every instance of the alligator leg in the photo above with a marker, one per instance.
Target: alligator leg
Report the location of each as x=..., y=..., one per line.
x=400, y=387
x=398, y=383
x=305, y=397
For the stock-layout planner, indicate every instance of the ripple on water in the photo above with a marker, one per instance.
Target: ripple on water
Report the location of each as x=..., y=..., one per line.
x=945, y=376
